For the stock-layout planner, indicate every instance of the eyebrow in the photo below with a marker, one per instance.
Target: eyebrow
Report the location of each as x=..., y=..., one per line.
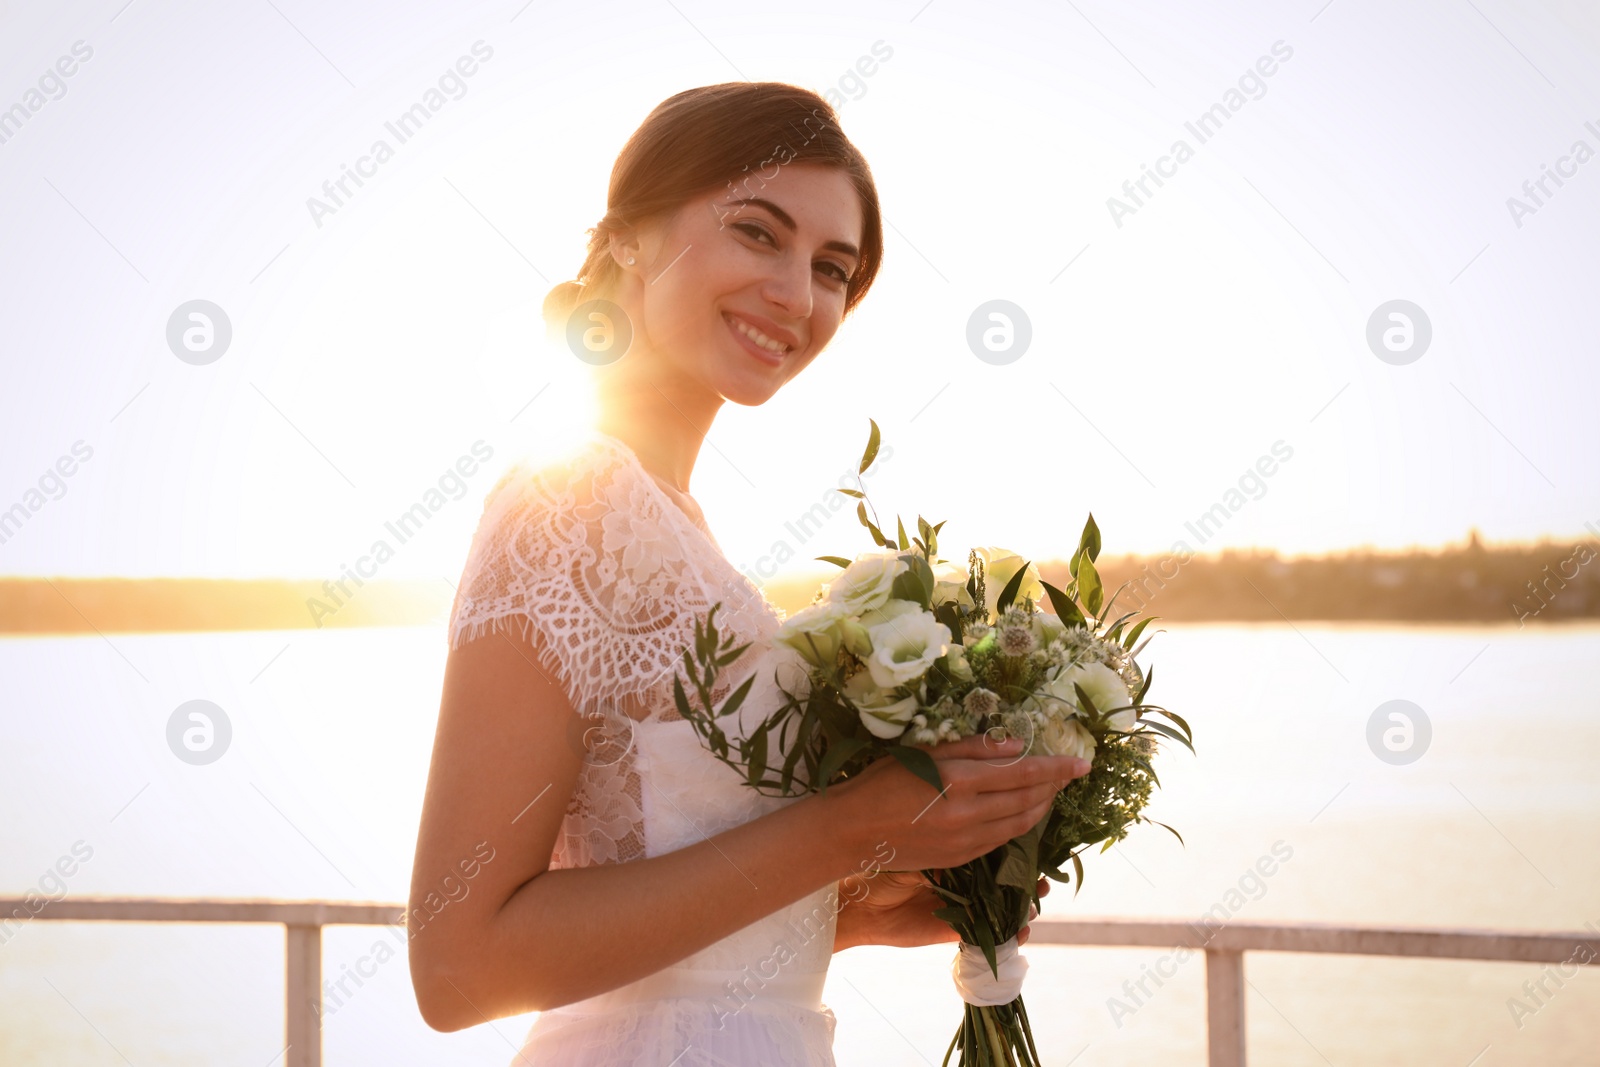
x=783, y=216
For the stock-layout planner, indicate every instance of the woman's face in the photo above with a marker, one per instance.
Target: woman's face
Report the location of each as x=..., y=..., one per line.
x=772, y=257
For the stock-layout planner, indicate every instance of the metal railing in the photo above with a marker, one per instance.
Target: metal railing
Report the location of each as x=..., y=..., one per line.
x=1224, y=949
x=302, y=921
x=1226, y=945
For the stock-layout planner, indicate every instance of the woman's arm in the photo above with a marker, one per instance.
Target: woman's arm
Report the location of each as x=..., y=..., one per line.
x=494, y=932
x=517, y=937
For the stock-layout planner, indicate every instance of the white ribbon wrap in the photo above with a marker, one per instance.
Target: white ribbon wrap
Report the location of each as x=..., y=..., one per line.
x=978, y=985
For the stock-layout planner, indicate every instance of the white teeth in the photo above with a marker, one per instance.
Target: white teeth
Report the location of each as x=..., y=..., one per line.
x=758, y=337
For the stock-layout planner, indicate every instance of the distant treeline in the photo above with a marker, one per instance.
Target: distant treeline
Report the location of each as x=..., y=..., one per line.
x=154, y=605
x=1523, y=584
x=1519, y=583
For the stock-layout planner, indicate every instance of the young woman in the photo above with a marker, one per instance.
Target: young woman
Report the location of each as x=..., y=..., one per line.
x=580, y=854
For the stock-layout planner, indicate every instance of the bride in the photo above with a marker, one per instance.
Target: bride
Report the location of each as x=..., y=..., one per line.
x=580, y=854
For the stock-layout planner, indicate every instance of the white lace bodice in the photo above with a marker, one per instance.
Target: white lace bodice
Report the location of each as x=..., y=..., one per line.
x=593, y=556
x=611, y=574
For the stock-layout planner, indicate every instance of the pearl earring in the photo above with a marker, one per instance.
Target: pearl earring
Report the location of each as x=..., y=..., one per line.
x=630, y=261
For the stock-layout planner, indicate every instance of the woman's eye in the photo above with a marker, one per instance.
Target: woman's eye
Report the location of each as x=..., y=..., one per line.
x=752, y=230
x=843, y=276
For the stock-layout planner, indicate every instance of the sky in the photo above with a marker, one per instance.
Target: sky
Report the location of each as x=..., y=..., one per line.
x=1184, y=339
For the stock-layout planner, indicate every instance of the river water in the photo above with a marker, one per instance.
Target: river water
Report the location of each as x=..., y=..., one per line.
x=1495, y=824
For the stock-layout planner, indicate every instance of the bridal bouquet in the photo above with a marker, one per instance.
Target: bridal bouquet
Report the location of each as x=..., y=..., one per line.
x=902, y=648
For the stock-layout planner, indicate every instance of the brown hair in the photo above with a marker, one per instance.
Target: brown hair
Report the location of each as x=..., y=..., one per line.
x=707, y=137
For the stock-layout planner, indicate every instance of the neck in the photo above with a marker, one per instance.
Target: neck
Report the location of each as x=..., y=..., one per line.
x=663, y=422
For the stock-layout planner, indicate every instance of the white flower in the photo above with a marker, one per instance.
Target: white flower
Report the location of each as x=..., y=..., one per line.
x=883, y=713
x=813, y=631
x=1104, y=686
x=1066, y=737
x=890, y=609
x=904, y=648
x=865, y=584
x=999, y=564
x=956, y=661
x=950, y=584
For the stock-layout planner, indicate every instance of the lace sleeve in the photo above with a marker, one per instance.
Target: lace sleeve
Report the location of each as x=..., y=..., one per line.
x=579, y=554
x=586, y=556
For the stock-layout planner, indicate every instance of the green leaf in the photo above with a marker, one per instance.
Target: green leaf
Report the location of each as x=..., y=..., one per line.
x=951, y=617
x=736, y=698
x=1149, y=677
x=1077, y=868
x=1089, y=543
x=872, y=448
x=1166, y=731
x=1065, y=609
x=837, y=561
x=921, y=576
x=757, y=766
x=904, y=544
x=1175, y=717
x=1115, y=628
x=1133, y=635
x=1148, y=769
x=1009, y=593
x=980, y=927
x=839, y=753
x=681, y=698
x=1090, y=591
x=918, y=763
x=1020, y=866
x=1169, y=830
x=1086, y=703
x=858, y=494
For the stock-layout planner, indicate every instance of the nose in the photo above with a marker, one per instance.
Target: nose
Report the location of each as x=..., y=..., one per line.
x=789, y=288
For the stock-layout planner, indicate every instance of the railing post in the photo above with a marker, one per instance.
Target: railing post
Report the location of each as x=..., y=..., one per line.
x=303, y=996
x=1225, y=1007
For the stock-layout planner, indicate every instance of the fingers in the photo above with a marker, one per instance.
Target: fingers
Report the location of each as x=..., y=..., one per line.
x=1001, y=804
x=1029, y=770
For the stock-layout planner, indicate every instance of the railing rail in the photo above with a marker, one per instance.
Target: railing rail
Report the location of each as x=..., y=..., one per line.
x=302, y=921
x=1224, y=947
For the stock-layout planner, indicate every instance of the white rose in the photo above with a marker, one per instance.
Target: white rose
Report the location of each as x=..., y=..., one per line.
x=865, y=584
x=904, y=648
x=1104, y=686
x=1066, y=737
x=999, y=564
x=884, y=714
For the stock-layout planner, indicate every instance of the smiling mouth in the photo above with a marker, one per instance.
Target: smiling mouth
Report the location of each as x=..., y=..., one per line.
x=757, y=343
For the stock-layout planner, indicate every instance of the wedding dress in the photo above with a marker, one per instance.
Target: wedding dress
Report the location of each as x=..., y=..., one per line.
x=592, y=554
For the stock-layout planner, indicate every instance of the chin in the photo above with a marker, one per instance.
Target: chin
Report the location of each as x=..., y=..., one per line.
x=749, y=394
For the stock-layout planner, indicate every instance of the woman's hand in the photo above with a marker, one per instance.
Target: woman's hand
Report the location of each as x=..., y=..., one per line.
x=896, y=908
x=992, y=793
